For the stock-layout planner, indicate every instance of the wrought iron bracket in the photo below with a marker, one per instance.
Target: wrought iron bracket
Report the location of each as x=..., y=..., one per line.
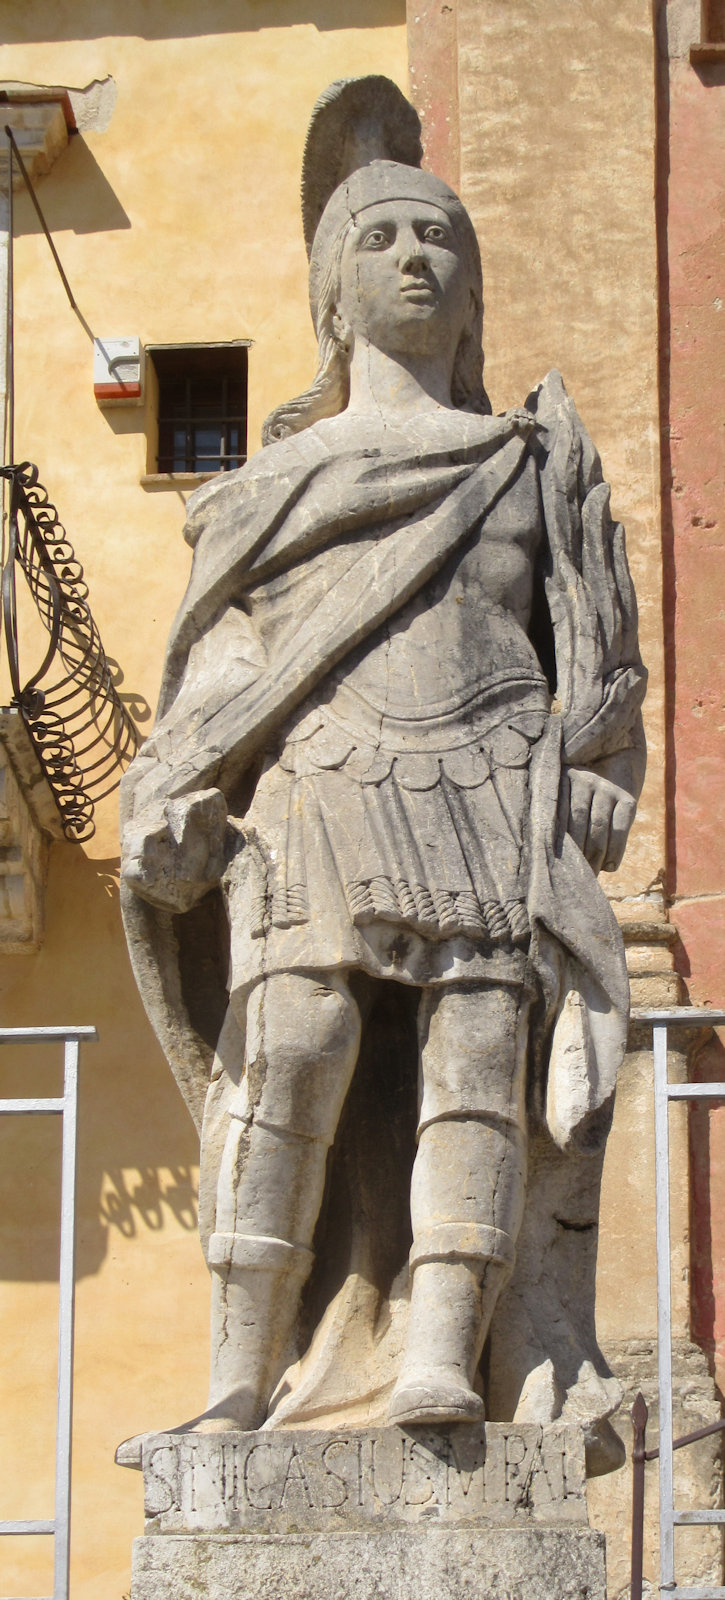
x=81, y=731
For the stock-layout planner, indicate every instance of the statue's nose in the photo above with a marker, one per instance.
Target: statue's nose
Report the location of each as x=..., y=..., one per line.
x=412, y=255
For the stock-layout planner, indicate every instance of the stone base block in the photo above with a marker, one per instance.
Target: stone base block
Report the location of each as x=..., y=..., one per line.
x=489, y=1511
x=412, y=1563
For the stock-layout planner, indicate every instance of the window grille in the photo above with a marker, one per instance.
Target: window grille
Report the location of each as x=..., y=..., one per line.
x=202, y=407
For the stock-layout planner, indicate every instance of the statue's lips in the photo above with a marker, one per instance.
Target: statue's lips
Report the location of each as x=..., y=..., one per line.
x=420, y=293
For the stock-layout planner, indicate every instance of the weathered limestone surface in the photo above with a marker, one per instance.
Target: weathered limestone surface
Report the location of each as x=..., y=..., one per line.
x=418, y=1515
x=424, y=1564
x=284, y=1482
x=394, y=765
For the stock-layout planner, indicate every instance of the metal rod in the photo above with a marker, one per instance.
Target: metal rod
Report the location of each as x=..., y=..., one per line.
x=689, y=1438
x=31, y=1108
x=41, y=218
x=59, y=1526
x=664, y=1306
x=9, y=440
x=679, y=1014
x=27, y=1527
x=696, y=1594
x=45, y=1035
x=686, y=1519
x=695, y=1091
x=63, y=1440
x=639, y=1416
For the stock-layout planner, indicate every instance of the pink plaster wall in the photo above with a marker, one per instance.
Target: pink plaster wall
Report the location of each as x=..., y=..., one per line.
x=692, y=198
x=433, y=71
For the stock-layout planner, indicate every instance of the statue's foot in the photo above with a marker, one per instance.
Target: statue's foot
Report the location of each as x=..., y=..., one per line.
x=434, y=1395
x=240, y=1412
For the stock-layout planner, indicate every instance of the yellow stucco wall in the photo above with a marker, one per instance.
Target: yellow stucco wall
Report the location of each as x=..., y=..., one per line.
x=179, y=223
x=557, y=114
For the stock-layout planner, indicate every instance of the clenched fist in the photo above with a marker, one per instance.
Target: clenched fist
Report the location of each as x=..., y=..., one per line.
x=600, y=817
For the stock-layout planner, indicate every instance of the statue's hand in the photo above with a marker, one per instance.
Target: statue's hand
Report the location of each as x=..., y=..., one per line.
x=600, y=817
x=521, y=421
x=174, y=855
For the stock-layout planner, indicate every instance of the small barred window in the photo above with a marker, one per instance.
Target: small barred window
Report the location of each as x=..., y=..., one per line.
x=202, y=411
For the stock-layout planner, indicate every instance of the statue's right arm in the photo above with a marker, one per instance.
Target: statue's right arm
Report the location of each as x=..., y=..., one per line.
x=173, y=855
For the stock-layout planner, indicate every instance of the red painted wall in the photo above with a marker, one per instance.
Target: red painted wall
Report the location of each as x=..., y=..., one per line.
x=691, y=182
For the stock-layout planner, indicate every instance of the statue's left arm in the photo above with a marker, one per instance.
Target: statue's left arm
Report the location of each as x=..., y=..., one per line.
x=600, y=677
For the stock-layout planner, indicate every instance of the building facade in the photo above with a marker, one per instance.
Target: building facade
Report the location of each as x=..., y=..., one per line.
x=587, y=142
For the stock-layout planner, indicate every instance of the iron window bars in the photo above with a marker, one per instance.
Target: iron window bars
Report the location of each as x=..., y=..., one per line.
x=202, y=407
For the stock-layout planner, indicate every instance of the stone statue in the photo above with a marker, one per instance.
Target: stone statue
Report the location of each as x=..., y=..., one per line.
x=399, y=736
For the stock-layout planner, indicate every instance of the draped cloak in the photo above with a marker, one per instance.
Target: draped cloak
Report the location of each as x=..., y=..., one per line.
x=300, y=558
x=354, y=534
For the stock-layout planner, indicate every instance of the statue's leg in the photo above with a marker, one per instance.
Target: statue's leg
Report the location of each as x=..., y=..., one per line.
x=467, y=1192
x=303, y=1036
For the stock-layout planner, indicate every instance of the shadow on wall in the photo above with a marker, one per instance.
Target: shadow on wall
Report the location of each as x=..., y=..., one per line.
x=147, y=19
x=80, y=199
x=137, y=1147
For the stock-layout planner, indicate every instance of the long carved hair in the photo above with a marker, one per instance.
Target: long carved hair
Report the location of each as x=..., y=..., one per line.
x=329, y=392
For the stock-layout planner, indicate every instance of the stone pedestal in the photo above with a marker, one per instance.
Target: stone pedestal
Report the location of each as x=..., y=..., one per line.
x=472, y=1512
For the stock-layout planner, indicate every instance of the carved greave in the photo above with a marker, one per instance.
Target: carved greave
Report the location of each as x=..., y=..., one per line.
x=270, y=1183
x=303, y=1035
x=467, y=1198
x=256, y=1284
x=468, y=1191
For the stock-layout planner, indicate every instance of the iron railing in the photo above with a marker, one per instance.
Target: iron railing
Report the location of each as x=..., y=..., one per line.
x=671, y=1516
x=81, y=731
x=66, y=1106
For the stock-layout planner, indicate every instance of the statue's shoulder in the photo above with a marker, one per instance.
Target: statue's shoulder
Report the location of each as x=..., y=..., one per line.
x=561, y=432
x=275, y=466
x=550, y=399
x=552, y=404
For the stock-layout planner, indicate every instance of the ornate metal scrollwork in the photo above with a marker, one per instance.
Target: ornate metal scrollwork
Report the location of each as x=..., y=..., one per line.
x=82, y=732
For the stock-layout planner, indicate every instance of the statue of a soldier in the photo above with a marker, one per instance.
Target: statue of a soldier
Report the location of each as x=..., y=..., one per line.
x=400, y=726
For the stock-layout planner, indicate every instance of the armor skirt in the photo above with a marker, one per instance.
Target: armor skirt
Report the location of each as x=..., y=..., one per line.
x=398, y=847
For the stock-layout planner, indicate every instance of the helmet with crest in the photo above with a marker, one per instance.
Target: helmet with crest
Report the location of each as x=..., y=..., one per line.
x=363, y=146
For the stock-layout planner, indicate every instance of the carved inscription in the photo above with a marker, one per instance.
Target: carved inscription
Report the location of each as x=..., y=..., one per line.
x=296, y=1480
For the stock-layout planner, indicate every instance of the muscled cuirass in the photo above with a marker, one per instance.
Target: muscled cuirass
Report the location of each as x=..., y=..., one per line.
x=408, y=778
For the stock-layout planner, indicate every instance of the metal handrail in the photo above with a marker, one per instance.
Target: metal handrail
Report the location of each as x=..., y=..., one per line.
x=66, y=1106
x=670, y=1516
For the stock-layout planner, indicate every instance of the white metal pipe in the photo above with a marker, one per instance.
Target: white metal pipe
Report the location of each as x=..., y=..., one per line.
x=27, y=1527
x=41, y=1035
x=695, y=1091
x=664, y=1306
x=30, y=1108
x=65, y=1325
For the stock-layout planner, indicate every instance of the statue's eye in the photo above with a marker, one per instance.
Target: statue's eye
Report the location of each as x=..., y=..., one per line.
x=434, y=234
x=375, y=240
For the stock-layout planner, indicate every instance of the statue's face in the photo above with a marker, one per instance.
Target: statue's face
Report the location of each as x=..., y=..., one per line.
x=404, y=284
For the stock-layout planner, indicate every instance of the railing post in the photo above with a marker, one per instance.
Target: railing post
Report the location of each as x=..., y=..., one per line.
x=664, y=1305
x=65, y=1324
x=65, y=1106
